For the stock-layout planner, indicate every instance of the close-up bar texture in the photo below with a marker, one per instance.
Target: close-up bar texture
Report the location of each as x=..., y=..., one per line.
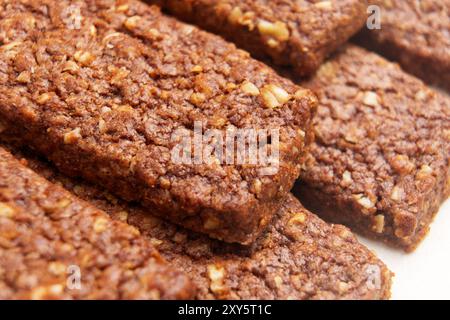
x=380, y=162
x=48, y=235
x=105, y=89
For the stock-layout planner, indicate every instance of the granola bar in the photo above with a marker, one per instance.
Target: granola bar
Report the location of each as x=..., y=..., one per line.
x=56, y=246
x=380, y=163
x=109, y=90
x=300, y=34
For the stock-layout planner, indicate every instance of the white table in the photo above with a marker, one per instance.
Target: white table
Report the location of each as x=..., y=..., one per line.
x=424, y=273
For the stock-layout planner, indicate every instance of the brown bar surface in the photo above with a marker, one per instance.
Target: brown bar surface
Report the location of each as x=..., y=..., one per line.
x=105, y=89
x=299, y=257
x=380, y=163
x=300, y=34
x=48, y=237
x=417, y=35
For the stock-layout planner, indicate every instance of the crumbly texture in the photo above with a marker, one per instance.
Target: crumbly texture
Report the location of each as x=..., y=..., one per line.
x=299, y=34
x=108, y=89
x=416, y=34
x=380, y=163
x=48, y=237
x=299, y=257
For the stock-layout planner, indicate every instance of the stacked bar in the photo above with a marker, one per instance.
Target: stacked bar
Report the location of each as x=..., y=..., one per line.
x=416, y=34
x=109, y=90
x=300, y=34
x=299, y=257
x=381, y=160
x=56, y=246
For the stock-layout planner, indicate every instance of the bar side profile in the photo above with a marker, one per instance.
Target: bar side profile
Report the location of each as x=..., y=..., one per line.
x=111, y=91
x=299, y=256
x=299, y=34
x=380, y=163
x=56, y=246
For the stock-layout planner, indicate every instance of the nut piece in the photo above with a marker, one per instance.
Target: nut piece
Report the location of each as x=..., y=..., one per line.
x=421, y=95
x=57, y=268
x=257, y=184
x=211, y=223
x=365, y=202
x=347, y=178
x=239, y=18
x=24, y=77
x=164, y=183
x=371, y=99
x=110, y=36
x=274, y=96
x=278, y=281
x=276, y=31
x=343, y=287
x=269, y=99
x=250, y=88
x=235, y=15
x=298, y=218
x=378, y=223
x=197, y=98
x=6, y=211
x=100, y=224
x=132, y=22
x=279, y=93
x=302, y=93
x=405, y=224
x=44, y=292
x=43, y=98
x=397, y=193
x=216, y=274
x=402, y=164
x=424, y=172
x=122, y=216
x=92, y=30
x=122, y=8
x=326, y=5
x=156, y=242
x=197, y=69
x=71, y=66
x=72, y=136
x=84, y=57
x=230, y=86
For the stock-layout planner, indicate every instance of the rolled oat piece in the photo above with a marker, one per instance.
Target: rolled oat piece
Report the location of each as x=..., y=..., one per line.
x=146, y=106
x=56, y=246
x=300, y=34
x=380, y=163
x=299, y=257
x=417, y=35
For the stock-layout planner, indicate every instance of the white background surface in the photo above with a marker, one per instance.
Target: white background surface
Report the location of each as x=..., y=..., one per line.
x=424, y=273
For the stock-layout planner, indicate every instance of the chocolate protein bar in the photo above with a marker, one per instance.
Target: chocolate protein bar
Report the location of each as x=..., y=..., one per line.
x=299, y=257
x=380, y=163
x=416, y=34
x=56, y=246
x=300, y=34
x=132, y=100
